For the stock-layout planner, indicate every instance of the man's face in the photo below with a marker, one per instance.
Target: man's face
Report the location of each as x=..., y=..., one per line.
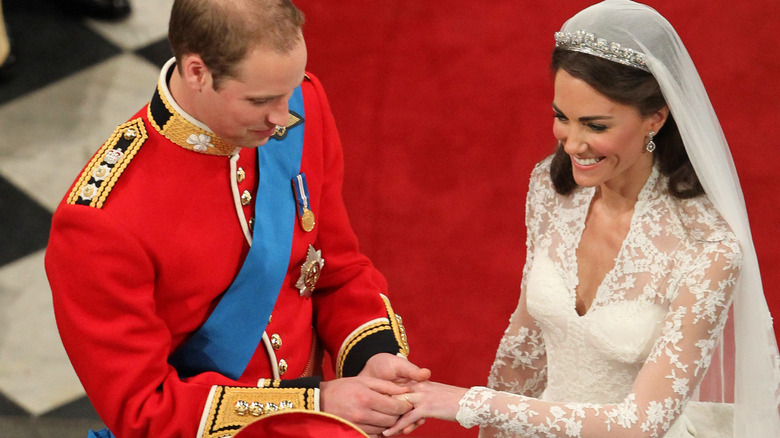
x=245, y=110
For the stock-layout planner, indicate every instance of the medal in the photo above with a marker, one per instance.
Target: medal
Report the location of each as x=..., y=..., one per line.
x=307, y=220
x=305, y=216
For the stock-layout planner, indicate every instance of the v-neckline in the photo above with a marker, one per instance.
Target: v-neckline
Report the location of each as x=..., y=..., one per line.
x=638, y=210
x=607, y=275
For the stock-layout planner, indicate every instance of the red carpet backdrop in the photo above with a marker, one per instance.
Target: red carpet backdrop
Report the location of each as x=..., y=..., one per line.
x=443, y=109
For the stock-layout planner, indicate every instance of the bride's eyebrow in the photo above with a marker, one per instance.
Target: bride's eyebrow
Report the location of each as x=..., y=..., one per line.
x=584, y=119
x=594, y=118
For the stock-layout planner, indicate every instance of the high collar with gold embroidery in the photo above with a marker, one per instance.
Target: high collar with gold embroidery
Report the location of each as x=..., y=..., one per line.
x=170, y=121
x=184, y=130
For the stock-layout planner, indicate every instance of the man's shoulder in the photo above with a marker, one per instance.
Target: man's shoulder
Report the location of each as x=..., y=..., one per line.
x=311, y=83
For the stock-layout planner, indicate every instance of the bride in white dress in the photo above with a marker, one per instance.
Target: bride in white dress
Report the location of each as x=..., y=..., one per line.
x=638, y=245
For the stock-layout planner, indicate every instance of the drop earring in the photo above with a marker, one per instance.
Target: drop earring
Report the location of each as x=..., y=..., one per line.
x=650, y=145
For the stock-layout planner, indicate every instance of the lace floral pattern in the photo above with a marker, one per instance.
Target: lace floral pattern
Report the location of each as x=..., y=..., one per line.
x=630, y=364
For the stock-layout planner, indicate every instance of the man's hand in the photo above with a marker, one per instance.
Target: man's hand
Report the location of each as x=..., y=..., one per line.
x=365, y=401
x=394, y=368
x=397, y=369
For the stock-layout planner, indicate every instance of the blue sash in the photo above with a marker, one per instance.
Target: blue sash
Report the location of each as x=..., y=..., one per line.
x=227, y=340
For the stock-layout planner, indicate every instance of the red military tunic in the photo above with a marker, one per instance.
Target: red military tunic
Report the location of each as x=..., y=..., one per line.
x=165, y=232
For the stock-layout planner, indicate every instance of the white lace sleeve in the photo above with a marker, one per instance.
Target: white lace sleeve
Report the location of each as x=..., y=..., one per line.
x=520, y=363
x=698, y=309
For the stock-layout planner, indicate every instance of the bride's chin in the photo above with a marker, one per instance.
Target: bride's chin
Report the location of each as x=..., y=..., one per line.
x=584, y=182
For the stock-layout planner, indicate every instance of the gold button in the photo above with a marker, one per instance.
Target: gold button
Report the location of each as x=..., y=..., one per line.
x=276, y=341
x=130, y=134
x=252, y=224
x=240, y=175
x=282, y=367
x=246, y=198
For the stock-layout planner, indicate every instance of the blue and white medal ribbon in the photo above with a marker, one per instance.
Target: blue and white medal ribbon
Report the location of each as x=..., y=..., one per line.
x=302, y=197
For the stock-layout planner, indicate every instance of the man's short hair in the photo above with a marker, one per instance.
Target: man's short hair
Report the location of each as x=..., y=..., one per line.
x=223, y=32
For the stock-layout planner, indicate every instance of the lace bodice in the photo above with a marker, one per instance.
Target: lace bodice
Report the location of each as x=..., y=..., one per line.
x=629, y=365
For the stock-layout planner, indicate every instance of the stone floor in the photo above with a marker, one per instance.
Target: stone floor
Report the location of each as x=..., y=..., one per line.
x=75, y=80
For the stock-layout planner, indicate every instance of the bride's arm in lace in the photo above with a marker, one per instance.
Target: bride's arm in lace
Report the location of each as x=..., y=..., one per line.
x=521, y=361
x=519, y=367
x=680, y=357
x=676, y=365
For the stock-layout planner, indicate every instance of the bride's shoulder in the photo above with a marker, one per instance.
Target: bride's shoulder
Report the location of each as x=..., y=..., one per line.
x=703, y=223
x=540, y=179
x=541, y=170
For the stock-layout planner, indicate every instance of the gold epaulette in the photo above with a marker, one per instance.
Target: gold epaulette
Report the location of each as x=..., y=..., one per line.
x=230, y=408
x=103, y=171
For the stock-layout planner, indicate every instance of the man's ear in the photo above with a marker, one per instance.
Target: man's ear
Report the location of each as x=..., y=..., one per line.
x=194, y=72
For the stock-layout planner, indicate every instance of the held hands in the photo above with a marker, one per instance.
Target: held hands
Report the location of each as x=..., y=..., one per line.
x=364, y=400
x=394, y=369
x=430, y=400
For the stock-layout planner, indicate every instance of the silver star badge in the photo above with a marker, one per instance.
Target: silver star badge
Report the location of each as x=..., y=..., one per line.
x=310, y=272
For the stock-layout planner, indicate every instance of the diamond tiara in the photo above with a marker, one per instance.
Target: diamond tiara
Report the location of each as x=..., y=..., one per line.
x=585, y=42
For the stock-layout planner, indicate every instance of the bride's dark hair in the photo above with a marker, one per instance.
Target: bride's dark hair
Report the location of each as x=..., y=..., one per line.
x=638, y=88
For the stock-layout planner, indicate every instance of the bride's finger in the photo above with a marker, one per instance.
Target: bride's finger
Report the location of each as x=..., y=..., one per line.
x=404, y=397
x=410, y=428
x=408, y=419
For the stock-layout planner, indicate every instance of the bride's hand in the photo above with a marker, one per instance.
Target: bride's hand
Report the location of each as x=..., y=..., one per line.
x=430, y=400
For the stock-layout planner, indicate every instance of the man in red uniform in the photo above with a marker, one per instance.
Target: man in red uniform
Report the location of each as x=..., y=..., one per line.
x=203, y=260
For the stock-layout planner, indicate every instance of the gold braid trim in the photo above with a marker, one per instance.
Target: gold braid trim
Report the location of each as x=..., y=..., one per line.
x=393, y=323
x=271, y=383
x=354, y=340
x=103, y=171
x=359, y=336
x=234, y=407
x=398, y=326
